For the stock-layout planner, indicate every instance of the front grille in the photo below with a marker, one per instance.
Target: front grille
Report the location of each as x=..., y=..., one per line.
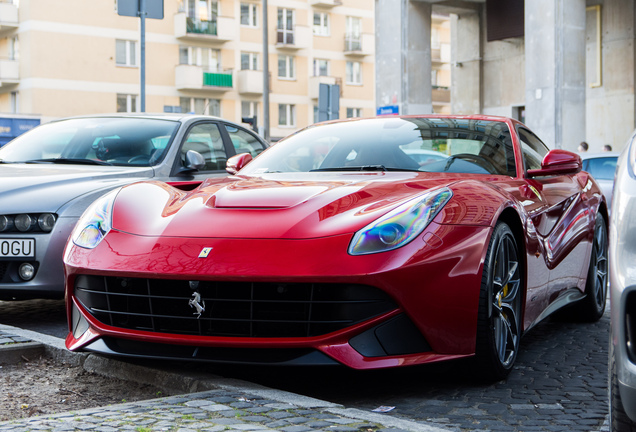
x=234, y=309
x=3, y=269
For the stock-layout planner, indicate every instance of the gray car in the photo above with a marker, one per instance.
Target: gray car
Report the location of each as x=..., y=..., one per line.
x=51, y=174
x=622, y=255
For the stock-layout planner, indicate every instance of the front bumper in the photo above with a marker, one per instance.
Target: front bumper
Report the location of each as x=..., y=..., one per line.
x=48, y=281
x=433, y=284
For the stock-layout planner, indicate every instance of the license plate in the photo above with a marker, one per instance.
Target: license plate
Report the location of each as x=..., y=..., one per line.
x=17, y=248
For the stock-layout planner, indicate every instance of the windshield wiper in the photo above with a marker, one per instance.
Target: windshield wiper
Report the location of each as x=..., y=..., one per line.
x=68, y=161
x=363, y=168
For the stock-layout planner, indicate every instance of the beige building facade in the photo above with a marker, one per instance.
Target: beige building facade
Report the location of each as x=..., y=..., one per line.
x=62, y=58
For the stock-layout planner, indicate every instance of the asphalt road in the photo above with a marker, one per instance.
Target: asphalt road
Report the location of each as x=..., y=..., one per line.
x=559, y=382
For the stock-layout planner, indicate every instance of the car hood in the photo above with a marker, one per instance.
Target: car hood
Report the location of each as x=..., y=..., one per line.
x=48, y=188
x=284, y=206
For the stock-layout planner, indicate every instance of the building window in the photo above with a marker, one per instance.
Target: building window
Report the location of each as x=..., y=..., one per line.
x=321, y=67
x=200, y=106
x=125, y=53
x=354, y=73
x=286, y=67
x=14, y=48
x=15, y=106
x=249, y=108
x=285, y=26
x=321, y=24
x=249, y=61
x=127, y=103
x=353, y=34
x=286, y=115
x=354, y=112
x=202, y=10
x=248, y=15
x=209, y=59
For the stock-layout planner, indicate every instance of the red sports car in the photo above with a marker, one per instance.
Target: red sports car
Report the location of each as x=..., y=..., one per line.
x=340, y=245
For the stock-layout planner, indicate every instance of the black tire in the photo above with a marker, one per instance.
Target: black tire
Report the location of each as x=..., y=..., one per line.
x=500, y=300
x=619, y=421
x=592, y=306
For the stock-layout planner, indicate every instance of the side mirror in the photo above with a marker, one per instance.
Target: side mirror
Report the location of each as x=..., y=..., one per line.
x=558, y=162
x=237, y=162
x=194, y=161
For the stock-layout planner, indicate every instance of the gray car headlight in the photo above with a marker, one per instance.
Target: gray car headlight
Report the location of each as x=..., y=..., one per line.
x=95, y=223
x=398, y=227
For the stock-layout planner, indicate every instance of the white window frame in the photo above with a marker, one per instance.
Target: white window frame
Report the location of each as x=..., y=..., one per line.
x=193, y=7
x=317, y=68
x=252, y=15
x=129, y=102
x=290, y=115
x=14, y=48
x=355, y=112
x=131, y=54
x=15, y=102
x=286, y=31
x=207, y=103
x=353, y=73
x=324, y=28
x=197, y=54
x=290, y=67
x=252, y=60
x=252, y=108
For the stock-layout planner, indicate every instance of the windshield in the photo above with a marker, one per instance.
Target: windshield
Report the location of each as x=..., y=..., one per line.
x=95, y=141
x=394, y=144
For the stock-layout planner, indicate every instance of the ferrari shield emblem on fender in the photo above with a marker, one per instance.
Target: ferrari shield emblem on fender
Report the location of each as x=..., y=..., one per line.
x=205, y=252
x=197, y=304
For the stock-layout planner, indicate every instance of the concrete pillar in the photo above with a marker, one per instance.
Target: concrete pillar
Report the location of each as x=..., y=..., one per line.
x=466, y=63
x=555, y=71
x=403, y=55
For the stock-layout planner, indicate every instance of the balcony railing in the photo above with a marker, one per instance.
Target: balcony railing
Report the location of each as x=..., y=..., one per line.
x=8, y=16
x=219, y=30
x=217, y=79
x=325, y=3
x=192, y=77
x=198, y=26
x=250, y=82
x=9, y=72
x=359, y=44
x=353, y=43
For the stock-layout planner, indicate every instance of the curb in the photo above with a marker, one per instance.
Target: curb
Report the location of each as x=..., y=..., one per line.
x=195, y=383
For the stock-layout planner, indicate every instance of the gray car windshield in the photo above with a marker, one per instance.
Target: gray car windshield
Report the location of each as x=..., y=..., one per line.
x=394, y=144
x=93, y=141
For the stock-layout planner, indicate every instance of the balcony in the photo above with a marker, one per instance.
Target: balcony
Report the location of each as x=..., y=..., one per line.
x=315, y=81
x=359, y=45
x=325, y=3
x=298, y=38
x=8, y=17
x=9, y=73
x=218, y=31
x=190, y=77
x=441, y=94
x=250, y=82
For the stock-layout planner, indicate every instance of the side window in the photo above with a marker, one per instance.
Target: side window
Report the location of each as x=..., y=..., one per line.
x=532, y=148
x=206, y=139
x=244, y=142
x=601, y=168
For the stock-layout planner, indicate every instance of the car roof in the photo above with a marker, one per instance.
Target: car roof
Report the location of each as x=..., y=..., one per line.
x=180, y=117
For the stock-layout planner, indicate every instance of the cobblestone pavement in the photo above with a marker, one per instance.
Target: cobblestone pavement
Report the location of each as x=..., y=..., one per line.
x=559, y=384
x=211, y=411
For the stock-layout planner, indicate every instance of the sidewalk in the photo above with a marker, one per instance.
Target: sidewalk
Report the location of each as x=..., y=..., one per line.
x=208, y=404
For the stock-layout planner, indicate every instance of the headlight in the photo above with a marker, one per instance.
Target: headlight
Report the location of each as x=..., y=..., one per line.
x=24, y=222
x=95, y=223
x=400, y=226
x=46, y=222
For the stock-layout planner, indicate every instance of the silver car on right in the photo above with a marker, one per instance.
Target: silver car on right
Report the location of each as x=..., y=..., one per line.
x=622, y=267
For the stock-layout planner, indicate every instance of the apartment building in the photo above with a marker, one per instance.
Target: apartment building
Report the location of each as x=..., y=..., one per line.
x=70, y=57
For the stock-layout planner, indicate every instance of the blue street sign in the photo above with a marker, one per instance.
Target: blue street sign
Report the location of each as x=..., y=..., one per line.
x=388, y=110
